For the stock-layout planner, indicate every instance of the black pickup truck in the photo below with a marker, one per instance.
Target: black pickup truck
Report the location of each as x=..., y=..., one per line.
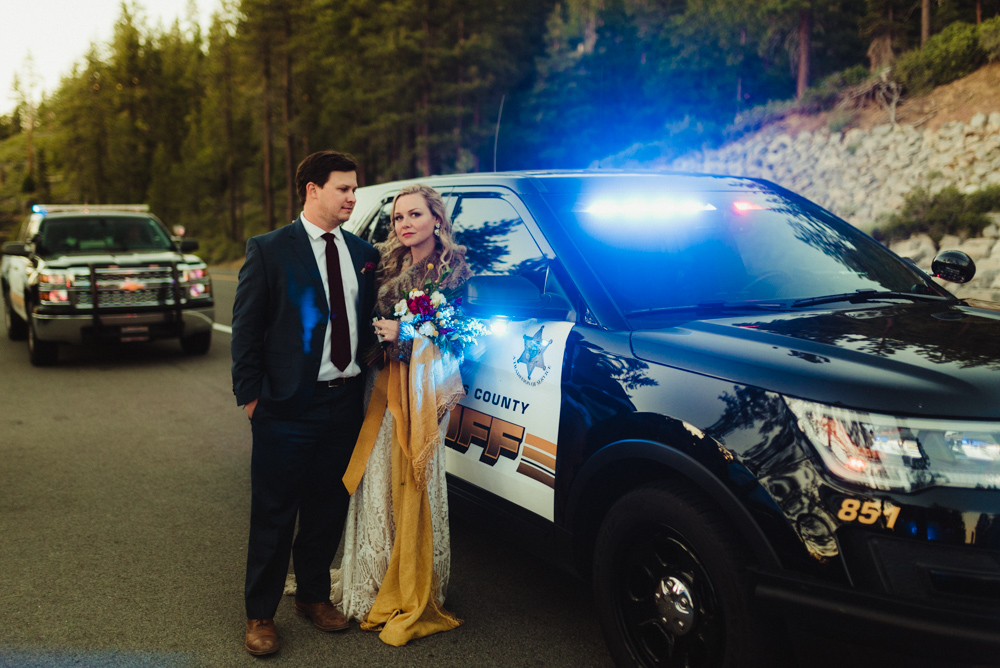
x=77, y=274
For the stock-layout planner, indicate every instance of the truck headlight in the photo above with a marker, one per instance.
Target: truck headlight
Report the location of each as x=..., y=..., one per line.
x=901, y=453
x=55, y=279
x=47, y=296
x=196, y=282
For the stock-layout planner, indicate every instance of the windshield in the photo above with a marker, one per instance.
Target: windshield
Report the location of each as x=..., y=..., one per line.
x=661, y=252
x=102, y=234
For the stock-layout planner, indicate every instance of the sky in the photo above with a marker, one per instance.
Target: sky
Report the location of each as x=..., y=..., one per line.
x=58, y=33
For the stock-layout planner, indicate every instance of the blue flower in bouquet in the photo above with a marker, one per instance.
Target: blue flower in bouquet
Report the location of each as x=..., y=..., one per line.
x=431, y=314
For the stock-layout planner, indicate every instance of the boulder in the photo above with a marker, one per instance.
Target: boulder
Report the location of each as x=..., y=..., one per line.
x=978, y=248
x=950, y=242
x=920, y=248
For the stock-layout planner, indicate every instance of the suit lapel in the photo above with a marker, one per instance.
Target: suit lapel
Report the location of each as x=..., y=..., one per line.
x=302, y=245
x=356, y=249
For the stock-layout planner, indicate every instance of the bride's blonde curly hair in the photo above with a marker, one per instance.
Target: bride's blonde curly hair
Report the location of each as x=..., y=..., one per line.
x=394, y=254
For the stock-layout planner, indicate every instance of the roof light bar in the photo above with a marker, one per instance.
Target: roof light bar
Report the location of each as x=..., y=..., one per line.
x=659, y=208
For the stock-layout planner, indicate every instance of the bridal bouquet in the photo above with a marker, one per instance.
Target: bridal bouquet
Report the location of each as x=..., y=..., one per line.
x=431, y=314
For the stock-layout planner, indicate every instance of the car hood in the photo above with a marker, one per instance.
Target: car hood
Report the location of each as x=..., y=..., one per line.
x=119, y=259
x=920, y=359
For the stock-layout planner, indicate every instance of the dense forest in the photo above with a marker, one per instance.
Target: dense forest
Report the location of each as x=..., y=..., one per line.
x=208, y=126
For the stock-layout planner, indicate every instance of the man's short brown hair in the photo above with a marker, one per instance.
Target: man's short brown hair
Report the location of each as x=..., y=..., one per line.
x=316, y=169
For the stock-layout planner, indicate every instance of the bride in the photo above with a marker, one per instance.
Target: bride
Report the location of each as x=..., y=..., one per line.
x=396, y=564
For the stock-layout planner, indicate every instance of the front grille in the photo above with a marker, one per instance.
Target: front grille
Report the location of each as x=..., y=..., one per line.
x=125, y=287
x=119, y=298
x=140, y=274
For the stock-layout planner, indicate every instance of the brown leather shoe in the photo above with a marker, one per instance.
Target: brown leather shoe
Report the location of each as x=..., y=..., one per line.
x=262, y=637
x=324, y=616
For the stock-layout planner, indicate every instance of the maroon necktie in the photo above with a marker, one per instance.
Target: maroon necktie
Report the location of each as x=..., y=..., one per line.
x=340, y=331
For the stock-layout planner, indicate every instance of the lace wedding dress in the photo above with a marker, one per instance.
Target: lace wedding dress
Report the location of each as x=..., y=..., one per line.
x=369, y=530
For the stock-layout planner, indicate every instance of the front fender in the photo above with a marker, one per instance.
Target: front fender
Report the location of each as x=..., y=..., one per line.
x=639, y=454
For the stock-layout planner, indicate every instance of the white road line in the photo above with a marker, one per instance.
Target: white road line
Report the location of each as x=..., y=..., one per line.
x=222, y=328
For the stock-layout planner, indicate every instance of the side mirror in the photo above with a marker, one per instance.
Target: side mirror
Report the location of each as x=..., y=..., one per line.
x=953, y=266
x=512, y=296
x=17, y=248
x=188, y=245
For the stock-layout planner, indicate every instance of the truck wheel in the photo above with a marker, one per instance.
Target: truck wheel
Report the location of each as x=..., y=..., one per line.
x=17, y=329
x=41, y=353
x=197, y=344
x=670, y=583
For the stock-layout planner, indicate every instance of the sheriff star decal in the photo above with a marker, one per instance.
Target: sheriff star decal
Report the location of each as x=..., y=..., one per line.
x=533, y=357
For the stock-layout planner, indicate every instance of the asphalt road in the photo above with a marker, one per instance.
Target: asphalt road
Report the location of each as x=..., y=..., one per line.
x=124, y=508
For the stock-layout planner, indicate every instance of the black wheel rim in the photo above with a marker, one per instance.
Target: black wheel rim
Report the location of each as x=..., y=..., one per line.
x=655, y=554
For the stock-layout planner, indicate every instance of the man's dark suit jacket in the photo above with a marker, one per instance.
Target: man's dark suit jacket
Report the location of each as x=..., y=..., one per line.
x=281, y=314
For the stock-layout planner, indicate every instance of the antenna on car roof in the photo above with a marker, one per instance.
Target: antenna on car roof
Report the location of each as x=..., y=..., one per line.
x=496, y=135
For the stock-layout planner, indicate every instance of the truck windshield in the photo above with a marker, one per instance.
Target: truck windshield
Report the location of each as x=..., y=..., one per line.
x=660, y=251
x=101, y=234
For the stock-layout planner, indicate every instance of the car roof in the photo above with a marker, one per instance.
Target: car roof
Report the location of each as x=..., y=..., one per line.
x=570, y=181
x=555, y=180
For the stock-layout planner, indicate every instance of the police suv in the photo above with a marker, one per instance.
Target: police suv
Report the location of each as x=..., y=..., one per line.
x=82, y=273
x=720, y=399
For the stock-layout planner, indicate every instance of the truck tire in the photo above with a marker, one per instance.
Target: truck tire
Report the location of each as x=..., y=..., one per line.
x=197, y=344
x=41, y=353
x=670, y=583
x=17, y=329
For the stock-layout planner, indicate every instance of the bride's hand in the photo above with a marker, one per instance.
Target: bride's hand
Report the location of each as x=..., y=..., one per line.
x=388, y=330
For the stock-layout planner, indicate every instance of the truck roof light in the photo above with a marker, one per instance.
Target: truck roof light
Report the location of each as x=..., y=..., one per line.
x=658, y=208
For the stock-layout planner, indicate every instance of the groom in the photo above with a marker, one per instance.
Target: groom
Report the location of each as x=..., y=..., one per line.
x=305, y=294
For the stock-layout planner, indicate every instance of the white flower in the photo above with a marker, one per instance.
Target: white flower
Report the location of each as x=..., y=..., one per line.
x=401, y=308
x=407, y=317
x=428, y=330
x=415, y=293
x=437, y=299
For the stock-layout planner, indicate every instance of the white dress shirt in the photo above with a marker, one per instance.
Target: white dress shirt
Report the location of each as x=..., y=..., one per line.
x=327, y=371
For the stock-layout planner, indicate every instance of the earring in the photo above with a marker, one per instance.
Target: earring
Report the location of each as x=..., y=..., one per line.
x=437, y=230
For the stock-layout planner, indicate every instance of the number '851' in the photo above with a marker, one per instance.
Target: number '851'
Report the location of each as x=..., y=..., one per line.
x=854, y=510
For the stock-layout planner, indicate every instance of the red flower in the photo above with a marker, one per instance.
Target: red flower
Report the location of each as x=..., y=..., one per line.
x=420, y=305
x=369, y=266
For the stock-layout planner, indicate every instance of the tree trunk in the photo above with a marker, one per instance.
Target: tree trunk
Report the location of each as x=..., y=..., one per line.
x=235, y=230
x=805, y=49
x=475, y=124
x=979, y=11
x=423, y=138
x=268, y=140
x=287, y=116
x=925, y=21
x=460, y=102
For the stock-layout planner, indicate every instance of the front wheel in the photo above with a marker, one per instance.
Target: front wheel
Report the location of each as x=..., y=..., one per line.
x=197, y=344
x=41, y=353
x=670, y=583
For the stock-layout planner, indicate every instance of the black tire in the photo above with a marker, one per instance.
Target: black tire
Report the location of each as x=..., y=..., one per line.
x=197, y=344
x=662, y=539
x=41, y=353
x=17, y=329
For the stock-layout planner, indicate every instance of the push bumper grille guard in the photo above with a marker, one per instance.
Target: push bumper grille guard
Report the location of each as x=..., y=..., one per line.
x=174, y=315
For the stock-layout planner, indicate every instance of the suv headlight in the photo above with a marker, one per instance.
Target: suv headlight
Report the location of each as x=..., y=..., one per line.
x=901, y=453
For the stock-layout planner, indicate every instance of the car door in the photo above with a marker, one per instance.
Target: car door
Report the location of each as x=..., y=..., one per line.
x=18, y=267
x=503, y=436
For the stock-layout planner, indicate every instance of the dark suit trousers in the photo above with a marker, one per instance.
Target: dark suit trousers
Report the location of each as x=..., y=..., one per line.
x=296, y=471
